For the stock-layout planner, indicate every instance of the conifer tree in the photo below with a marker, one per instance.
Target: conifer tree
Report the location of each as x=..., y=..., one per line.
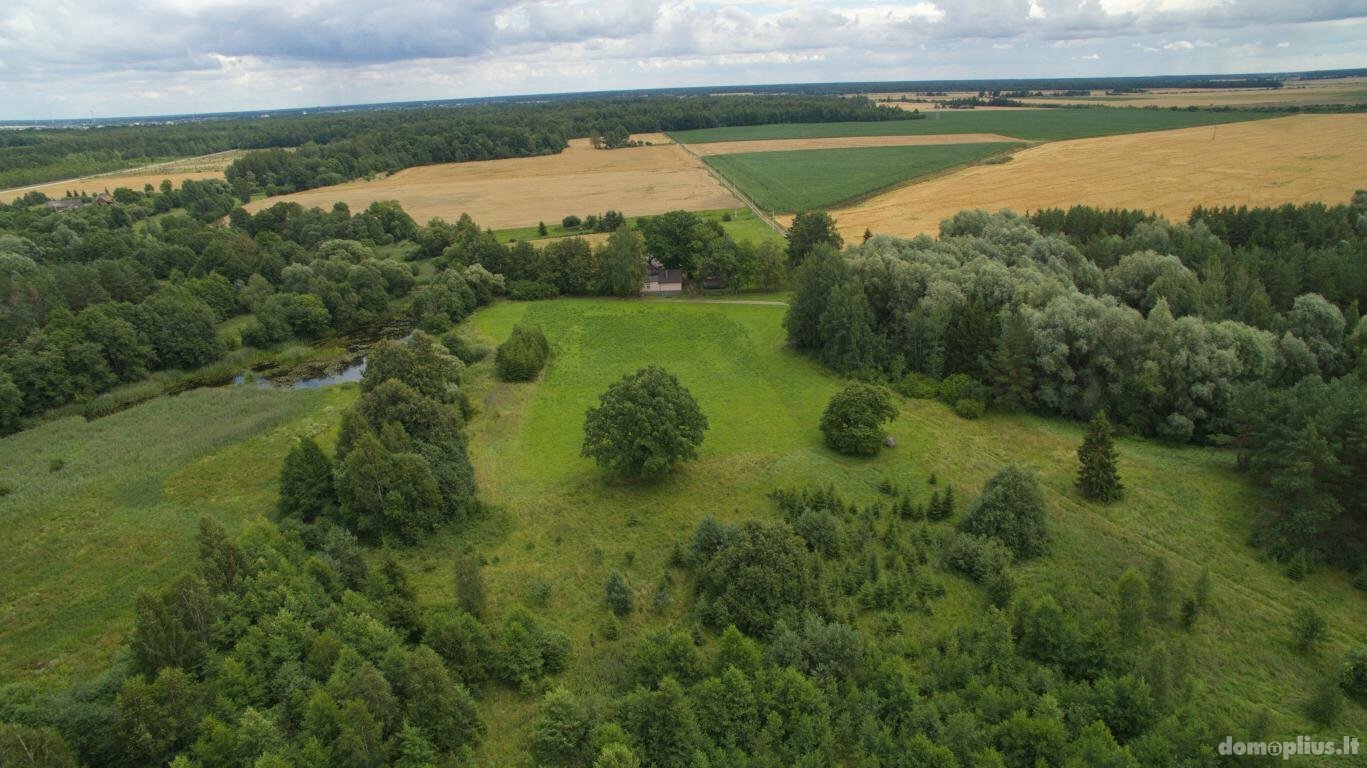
x=306, y=488
x=1097, y=477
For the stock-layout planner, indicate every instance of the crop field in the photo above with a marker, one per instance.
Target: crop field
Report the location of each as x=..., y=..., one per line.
x=102, y=509
x=196, y=168
x=838, y=142
x=560, y=526
x=1301, y=158
x=816, y=178
x=1025, y=124
x=522, y=191
x=1339, y=90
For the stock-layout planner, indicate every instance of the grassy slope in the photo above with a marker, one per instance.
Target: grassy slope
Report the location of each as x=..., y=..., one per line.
x=121, y=514
x=561, y=523
x=744, y=225
x=819, y=178
x=1031, y=125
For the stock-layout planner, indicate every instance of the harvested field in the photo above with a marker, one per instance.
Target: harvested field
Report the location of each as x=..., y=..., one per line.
x=841, y=142
x=1295, y=159
x=521, y=191
x=203, y=167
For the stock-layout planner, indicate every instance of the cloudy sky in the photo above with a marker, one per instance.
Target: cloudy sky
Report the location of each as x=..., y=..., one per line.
x=77, y=58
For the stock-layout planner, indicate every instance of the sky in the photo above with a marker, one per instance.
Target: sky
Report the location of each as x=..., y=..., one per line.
x=77, y=58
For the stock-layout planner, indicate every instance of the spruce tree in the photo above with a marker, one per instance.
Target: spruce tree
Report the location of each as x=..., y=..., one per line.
x=1097, y=477
x=306, y=489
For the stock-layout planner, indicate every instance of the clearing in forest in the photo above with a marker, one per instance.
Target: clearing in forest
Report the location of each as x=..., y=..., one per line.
x=1297, y=159
x=519, y=192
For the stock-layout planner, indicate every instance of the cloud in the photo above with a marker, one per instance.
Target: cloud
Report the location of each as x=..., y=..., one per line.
x=166, y=55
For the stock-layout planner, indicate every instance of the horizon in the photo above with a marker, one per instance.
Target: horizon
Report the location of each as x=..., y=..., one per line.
x=156, y=58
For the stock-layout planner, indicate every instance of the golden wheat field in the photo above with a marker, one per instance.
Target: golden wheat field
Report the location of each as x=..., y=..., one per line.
x=203, y=167
x=1345, y=90
x=1301, y=158
x=837, y=142
x=523, y=191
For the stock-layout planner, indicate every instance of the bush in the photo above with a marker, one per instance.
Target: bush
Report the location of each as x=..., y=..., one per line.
x=571, y=222
x=531, y=290
x=919, y=386
x=523, y=355
x=969, y=409
x=466, y=351
x=853, y=420
x=618, y=594
x=1353, y=675
x=1308, y=628
x=954, y=388
x=976, y=557
x=1011, y=510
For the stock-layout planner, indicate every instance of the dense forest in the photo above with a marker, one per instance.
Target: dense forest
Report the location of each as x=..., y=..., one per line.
x=336, y=146
x=1240, y=327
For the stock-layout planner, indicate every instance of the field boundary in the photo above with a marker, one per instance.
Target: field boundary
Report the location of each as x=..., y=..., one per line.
x=763, y=215
x=120, y=172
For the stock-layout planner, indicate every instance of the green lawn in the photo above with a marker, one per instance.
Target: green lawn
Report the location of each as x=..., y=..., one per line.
x=792, y=181
x=1030, y=124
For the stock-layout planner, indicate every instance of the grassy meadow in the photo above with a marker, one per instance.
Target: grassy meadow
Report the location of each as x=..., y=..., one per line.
x=102, y=509
x=743, y=224
x=120, y=514
x=794, y=181
x=1026, y=124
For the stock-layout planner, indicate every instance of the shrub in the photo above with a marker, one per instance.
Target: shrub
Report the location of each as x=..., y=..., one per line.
x=571, y=222
x=976, y=557
x=531, y=290
x=1353, y=675
x=853, y=420
x=5, y=489
x=966, y=408
x=643, y=425
x=919, y=386
x=1011, y=510
x=954, y=388
x=523, y=355
x=1298, y=567
x=466, y=351
x=618, y=594
x=1325, y=703
x=1308, y=628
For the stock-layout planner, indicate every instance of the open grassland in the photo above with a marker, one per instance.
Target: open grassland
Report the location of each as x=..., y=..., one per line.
x=1027, y=124
x=121, y=513
x=740, y=222
x=522, y=191
x=176, y=171
x=816, y=178
x=838, y=142
x=559, y=526
x=1295, y=159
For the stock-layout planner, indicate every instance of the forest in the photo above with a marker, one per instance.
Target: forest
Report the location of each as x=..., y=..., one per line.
x=334, y=146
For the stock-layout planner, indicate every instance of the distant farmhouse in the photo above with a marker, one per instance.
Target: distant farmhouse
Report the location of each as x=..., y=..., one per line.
x=71, y=203
x=661, y=281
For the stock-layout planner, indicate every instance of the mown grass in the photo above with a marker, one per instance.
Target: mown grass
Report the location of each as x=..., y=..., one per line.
x=787, y=182
x=558, y=521
x=121, y=513
x=1027, y=124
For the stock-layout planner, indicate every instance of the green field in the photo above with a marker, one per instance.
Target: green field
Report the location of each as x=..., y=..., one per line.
x=1028, y=124
x=792, y=181
x=120, y=514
